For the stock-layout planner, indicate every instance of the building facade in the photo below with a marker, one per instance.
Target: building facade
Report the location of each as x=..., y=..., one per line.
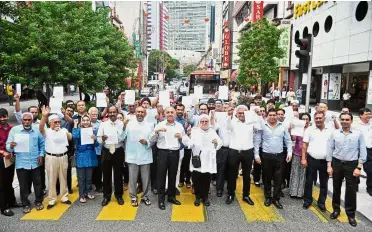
x=157, y=25
x=342, y=50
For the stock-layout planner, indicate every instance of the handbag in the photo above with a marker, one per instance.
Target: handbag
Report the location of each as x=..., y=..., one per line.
x=195, y=160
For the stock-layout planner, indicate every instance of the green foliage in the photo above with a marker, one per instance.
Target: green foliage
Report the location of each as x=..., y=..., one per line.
x=190, y=68
x=65, y=43
x=259, y=51
x=161, y=61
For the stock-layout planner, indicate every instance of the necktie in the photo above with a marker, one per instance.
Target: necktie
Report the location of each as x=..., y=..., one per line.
x=112, y=146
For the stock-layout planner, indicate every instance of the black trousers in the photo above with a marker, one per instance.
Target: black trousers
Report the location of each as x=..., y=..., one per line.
x=341, y=170
x=233, y=160
x=26, y=178
x=222, y=156
x=315, y=166
x=272, y=169
x=97, y=174
x=125, y=171
x=111, y=162
x=286, y=168
x=257, y=169
x=185, y=173
x=7, y=196
x=42, y=176
x=201, y=183
x=153, y=167
x=167, y=162
x=367, y=166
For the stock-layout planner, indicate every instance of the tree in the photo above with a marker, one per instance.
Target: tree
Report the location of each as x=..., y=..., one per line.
x=259, y=52
x=161, y=61
x=190, y=68
x=65, y=43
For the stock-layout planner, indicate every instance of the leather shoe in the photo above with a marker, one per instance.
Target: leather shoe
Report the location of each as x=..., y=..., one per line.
x=50, y=206
x=154, y=191
x=105, y=201
x=197, y=202
x=334, y=215
x=267, y=202
x=278, y=204
x=229, y=199
x=322, y=208
x=219, y=193
x=206, y=202
x=7, y=212
x=306, y=205
x=68, y=202
x=248, y=200
x=15, y=205
x=120, y=201
x=174, y=201
x=161, y=205
x=352, y=222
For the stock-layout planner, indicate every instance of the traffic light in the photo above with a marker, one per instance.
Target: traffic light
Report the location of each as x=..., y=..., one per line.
x=304, y=53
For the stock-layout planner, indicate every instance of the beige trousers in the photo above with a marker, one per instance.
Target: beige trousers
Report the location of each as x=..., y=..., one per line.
x=56, y=168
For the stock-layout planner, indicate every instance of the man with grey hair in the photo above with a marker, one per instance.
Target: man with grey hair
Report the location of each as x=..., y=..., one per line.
x=56, y=160
x=28, y=163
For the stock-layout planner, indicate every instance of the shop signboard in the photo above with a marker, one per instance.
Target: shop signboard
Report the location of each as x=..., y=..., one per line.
x=334, y=86
x=324, y=86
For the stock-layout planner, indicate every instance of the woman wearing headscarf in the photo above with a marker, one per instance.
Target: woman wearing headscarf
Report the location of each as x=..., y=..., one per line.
x=204, y=143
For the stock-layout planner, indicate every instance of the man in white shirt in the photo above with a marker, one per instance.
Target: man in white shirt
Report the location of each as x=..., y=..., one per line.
x=330, y=120
x=110, y=135
x=56, y=159
x=276, y=94
x=314, y=152
x=346, y=97
x=168, y=135
x=241, y=151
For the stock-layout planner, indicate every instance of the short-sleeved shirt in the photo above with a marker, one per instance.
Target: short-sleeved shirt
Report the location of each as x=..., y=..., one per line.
x=317, y=141
x=56, y=142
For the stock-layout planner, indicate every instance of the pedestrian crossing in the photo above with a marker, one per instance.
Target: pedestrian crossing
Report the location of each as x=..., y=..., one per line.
x=186, y=212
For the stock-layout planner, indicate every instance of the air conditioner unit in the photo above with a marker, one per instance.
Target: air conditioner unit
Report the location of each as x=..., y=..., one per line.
x=318, y=71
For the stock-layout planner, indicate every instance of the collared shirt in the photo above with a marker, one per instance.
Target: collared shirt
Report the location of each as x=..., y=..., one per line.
x=18, y=116
x=242, y=134
x=272, y=139
x=27, y=160
x=166, y=140
x=4, y=132
x=56, y=142
x=224, y=132
x=95, y=127
x=366, y=130
x=347, y=147
x=111, y=126
x=317, y=141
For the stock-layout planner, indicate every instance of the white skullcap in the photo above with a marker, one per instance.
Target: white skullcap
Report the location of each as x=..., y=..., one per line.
x=203, y=116
x=52, y=117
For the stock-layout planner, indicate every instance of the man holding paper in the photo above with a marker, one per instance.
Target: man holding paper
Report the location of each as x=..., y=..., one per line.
x=109, y=135
x=28, y=146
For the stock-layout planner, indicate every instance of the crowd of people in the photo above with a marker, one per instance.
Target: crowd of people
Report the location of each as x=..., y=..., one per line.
x=148, y=147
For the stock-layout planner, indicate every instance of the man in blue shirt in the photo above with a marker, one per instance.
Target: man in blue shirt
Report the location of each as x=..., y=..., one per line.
x=28, y=161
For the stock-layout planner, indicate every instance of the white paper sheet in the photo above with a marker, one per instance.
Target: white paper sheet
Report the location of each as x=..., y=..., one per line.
x=223, y=92
x=220, y=117
x=58, y=92
x=130, y=97
x=150, y=115
x=135, y=136
x=164, y=99
x=86, y=136
x=112, y=136
x=18, y=89
x=60, y=139
x=299, y=127
x=251, y=117
x=101, y=100
x=253, y=108
x=187, y=101
x=289, y=115
x=194, y=99
x=198, y=91
x=55, y=105
x=170, y=138
x=207, y=142
x=23, y=143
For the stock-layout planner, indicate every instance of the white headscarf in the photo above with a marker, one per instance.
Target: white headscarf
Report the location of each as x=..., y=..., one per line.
x=202, y=117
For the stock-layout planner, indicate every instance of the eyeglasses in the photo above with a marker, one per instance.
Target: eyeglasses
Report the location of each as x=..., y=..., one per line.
x=203, y=121
x=57, y=122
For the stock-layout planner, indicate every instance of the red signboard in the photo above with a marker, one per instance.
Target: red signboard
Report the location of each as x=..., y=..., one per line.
x=257, y=11
x=226, y=48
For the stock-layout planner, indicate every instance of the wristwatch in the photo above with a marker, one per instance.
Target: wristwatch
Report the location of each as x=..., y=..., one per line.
x=359, y=168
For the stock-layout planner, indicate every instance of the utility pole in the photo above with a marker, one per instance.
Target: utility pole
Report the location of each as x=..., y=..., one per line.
x=309, y=71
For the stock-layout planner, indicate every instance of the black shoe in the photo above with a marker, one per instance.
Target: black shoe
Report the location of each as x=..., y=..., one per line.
x=334, y=215
x=352, y=222
x=161, y=205
x=15, y=205
x=70, y=191
x=370, y=193
x=206, y=202
x=306, y=205
x=248, y=200
x=174, y=201
x=154, y=191
x=197, y=202
x=120, y=201
x=267, y=202
x=50, y=206
x=178, y=192
x=68, y=202
x=281, y=194
x=278, y=204
x=7, y=212
x=219, y=193
x=229, y=199
x=322, y=208
x=257, y=184
x=105, y=201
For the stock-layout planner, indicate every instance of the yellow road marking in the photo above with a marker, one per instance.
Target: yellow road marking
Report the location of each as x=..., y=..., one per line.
x=321, y=215
x=188, y=212
x=258, y=212
x=115, y=212
x=57, y=211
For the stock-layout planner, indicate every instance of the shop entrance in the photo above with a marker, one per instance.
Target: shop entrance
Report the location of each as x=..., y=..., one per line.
x=356, y=84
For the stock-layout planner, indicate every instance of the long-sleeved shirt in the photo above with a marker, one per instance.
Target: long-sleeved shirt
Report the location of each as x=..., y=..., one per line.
x=167, y=140
x=366, y=130
x=27, y=160
x=272, y=139
x=85, y=154
x=136, y=152
x=242, y=134
x=99, y=146
x=108, y=128
x=348, y=146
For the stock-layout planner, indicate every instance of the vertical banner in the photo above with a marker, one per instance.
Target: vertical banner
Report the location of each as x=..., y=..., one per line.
x=226, y=48
x=284, y=42
x=334, y=86
x=324, y=86
x=257, y=11
x=369, y=94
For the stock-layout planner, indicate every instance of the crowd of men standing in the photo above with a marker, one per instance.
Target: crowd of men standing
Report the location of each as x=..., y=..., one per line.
x=149, y=147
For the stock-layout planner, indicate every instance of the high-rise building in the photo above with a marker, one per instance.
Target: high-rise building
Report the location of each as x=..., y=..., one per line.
x=188, y=25
x=157, y=25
